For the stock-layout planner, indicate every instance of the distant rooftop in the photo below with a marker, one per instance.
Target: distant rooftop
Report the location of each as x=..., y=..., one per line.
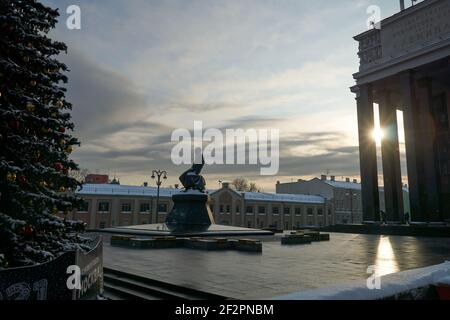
x=123, y=190
x=297, y=198
x=343, y=184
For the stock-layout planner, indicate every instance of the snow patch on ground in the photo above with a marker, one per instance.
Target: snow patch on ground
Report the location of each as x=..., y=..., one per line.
x=391, y=285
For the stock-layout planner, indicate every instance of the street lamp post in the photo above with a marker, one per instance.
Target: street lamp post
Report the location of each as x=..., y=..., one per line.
x=157, y=174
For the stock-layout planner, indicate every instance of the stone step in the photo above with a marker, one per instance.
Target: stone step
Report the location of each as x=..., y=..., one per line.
x=150, y=289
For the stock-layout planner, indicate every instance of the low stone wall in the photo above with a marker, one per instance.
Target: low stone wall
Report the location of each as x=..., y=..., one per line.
x=304, y=237
x=48, y=281
x=198, y=243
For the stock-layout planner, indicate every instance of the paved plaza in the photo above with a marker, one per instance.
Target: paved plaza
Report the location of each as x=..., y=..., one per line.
x=280, y=269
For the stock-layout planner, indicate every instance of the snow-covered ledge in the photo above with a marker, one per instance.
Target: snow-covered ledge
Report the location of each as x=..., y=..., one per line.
x=413, y=282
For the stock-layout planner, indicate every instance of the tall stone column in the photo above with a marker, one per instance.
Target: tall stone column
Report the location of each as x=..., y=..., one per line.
x=412, y=157
x=427, y=136
x=393, y=195
x=420, y=149
x=367, y=154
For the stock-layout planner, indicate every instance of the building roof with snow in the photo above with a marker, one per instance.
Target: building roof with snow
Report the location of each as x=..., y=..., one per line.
x=123, y=190
x=274, y=197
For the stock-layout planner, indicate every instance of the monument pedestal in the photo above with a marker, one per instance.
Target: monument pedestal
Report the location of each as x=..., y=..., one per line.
x=190, y=212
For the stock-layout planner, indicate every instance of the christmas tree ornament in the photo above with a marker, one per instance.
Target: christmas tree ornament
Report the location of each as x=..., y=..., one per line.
x=59, y=104
x=22, y=180
x=62, y=189
x=69, y=150
x=11, y=177
x=62, y=142
x=30, y=107
x=26, y=59
x=62, y=130
x=43, y=184
x=55, y=210
x=14, y=124
x=33, y=83
x=58, y=166
x=27, y=230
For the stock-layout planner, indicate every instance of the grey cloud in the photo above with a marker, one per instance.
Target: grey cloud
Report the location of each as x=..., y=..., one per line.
x=103, y=100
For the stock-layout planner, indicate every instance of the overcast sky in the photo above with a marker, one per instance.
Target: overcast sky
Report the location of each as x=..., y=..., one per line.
x=140, y=69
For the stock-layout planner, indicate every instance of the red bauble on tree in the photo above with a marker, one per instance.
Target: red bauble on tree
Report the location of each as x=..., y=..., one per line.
x=23, y=181
x=62, y=130
x=14, y=124
x=58, y=166
x=27, y=230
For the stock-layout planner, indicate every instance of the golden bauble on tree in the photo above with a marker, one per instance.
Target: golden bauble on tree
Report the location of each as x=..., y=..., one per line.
x=62, y=189
x=11, y=176
x=30, y=107
x=33, y=83
x=59, y=104
x=68, y=150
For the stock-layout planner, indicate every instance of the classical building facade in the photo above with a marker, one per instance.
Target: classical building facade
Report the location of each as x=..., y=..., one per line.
x=262, y=210
x=405, y=65
x=107, y=205
x=344, y=196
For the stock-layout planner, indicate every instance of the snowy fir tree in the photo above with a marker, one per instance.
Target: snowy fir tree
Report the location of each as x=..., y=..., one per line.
x=35, y=122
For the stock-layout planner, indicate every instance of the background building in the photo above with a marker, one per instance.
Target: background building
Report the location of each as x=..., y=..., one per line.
x=344, y=196
x=262, y=210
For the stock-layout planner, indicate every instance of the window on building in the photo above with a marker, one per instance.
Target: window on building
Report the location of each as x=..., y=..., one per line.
x=320, y=212
x=103, y=206
x=83, y=207
x=145, y=207
x=275, y=210
x=102, y=225
x=162, y=208
x=238, y=209
x=249, y=209
x=298, y=211
x=297, y=225
x=249, y=224
x=221, y=208
x=126, y=207
x=287, y=210
x=310, y=211
x=286, y=225
x=261, y=210
x=228, y=208
x=261, y=225
x=329, y=211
